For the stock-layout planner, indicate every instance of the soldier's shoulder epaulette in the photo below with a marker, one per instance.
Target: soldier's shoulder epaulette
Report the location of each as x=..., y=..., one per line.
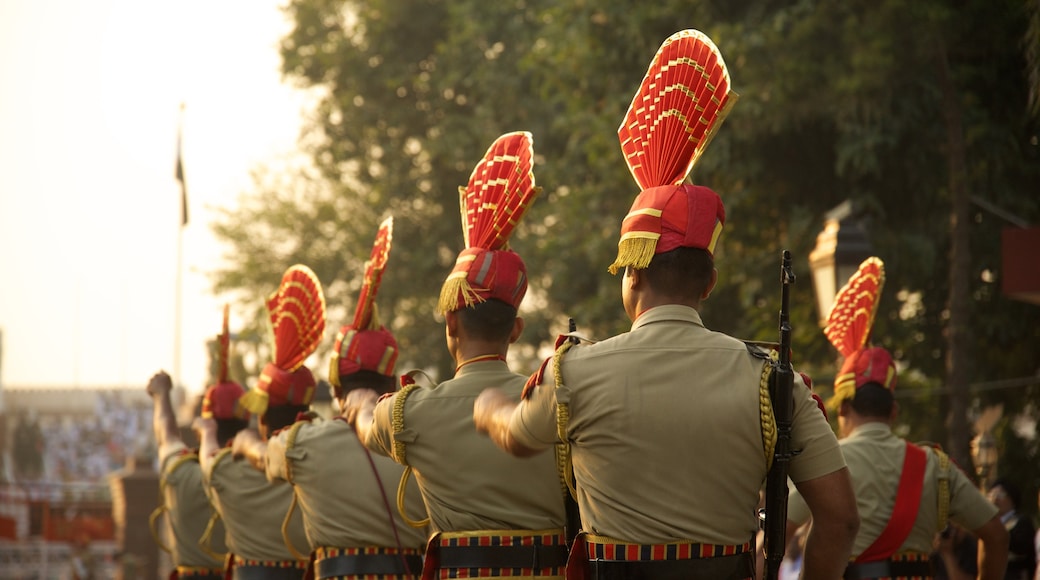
x=535, y=379
x=759, y=349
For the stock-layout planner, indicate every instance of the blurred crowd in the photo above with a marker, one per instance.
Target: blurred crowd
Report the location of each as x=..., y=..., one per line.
x=79, y=448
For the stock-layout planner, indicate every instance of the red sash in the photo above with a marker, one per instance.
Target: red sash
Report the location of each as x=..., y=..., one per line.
x=904, y=513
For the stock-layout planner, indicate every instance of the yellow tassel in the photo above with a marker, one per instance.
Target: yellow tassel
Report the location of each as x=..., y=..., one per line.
x=255, y=400
x=450, y=294
x=844, y=389
x=635, y=251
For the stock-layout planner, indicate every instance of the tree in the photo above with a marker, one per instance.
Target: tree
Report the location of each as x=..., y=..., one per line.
x=908, y=110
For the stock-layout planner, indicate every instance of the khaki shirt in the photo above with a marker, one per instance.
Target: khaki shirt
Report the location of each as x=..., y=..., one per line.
x=665, y=431
x=253, y=510
x=343, y=501
x=875, y=459
x=466, y=481
x=188, y=509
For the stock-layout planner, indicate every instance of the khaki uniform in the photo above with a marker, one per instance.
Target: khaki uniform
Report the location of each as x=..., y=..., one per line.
x=467, y=482
x=188, y=512
x=253, y=511
x=475, y=494
x=665, y=432
x=343, y=502
x=875, y=459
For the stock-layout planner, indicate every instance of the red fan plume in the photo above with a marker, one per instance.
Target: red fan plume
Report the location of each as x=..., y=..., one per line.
x=223, y=349
x=852, y=317
x=297, y=312
x=499, y=192
x=681, y=103
x=364, y=314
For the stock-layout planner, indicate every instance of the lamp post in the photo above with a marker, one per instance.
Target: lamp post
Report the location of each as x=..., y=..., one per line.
x=984, y=456
x=840, y=248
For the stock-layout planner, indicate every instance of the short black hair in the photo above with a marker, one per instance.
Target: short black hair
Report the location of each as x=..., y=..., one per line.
x=873, y=400
x=366, y=379
x=281, y=416
x=491, y=320
x=682, y=273
x=228, y=428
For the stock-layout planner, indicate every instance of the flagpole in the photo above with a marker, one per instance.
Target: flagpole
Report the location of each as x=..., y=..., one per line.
x=179, y=174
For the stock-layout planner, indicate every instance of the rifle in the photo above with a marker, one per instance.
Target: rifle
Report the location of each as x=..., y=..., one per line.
x=781, y=381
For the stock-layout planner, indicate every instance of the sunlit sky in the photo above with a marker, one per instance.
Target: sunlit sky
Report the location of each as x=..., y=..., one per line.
x=90, y=96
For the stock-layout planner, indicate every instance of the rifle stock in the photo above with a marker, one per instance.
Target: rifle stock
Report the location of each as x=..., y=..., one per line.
x=780, y=386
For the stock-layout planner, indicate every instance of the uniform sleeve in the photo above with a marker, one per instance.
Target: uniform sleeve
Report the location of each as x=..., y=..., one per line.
x=533, y=423
x=968, y=508
x=813, y=438
x=380, y=436
x=168, y=451
x=276, y=461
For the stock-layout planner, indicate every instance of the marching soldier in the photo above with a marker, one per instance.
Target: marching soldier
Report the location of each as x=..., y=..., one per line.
x=669, y=424
x=492, y=515
x=188, y=511
x=905, y=493
x=342, y=490
x=265, y=540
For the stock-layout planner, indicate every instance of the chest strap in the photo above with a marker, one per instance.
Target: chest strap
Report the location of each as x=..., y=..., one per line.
x=904, y=513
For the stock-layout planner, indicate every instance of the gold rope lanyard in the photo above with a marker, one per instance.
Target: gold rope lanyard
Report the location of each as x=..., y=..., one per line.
x=765, y=408
x=399, y=448
x=159, y=511
x=564, y=467
x=290, y=441
x=944, y=486
x=206, y=541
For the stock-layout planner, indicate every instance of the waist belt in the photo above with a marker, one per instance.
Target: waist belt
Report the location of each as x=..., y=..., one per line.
x=374, y=564
x=888, y=569
x=257, y=572
x=534, y=556
x=736, y=567
x=199, y=573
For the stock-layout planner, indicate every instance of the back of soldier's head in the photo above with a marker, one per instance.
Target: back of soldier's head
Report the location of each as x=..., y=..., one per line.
x=367, y=379
x=281, y=416
x=490, y=321
x=682, y=273
x=874, y=401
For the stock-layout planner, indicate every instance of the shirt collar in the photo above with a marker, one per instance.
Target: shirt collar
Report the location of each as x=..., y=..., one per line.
x=668, y=313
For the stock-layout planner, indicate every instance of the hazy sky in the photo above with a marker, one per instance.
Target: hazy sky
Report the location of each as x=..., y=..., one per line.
x=89, y=207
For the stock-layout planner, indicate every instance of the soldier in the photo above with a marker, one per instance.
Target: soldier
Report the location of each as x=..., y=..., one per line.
x=493, y=515
x=188, y=511
x=264, y=538
x=668, y=424
x=341, y=489
x=904, y=493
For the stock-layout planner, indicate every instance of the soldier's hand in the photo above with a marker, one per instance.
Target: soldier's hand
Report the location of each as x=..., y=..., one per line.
x=488, y=403
x=355, y=402
x=160, y=384
x=203, y=426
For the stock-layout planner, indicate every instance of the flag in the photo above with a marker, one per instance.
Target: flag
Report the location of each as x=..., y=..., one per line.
x=179, y=174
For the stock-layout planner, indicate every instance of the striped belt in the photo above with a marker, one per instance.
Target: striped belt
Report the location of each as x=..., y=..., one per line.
x=200, y=573
x=611, y=559
x=502, y=553
x=368, y=561
x=246, y=569
x=908, y=566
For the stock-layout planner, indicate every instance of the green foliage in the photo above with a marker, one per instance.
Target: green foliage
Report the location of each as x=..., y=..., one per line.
x=839, y=100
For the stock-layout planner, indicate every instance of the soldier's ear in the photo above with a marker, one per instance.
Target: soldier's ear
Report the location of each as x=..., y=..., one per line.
x=711, y=284
x=518, y=329
x=451, y=323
